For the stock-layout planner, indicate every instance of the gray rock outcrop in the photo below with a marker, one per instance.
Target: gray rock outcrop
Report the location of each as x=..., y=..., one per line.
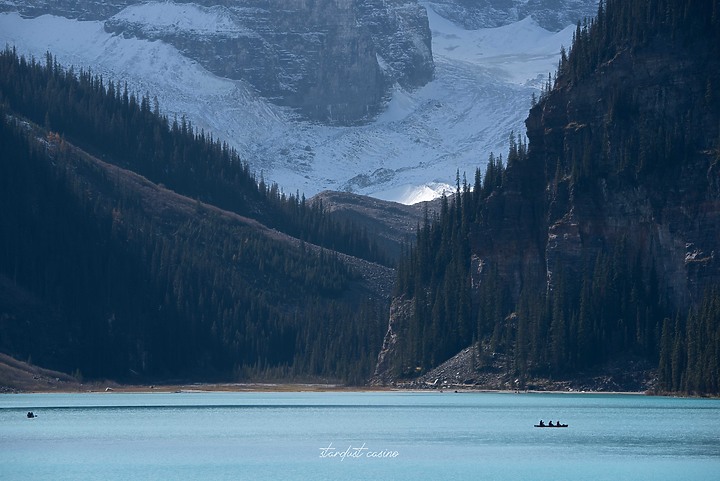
x=332, y=61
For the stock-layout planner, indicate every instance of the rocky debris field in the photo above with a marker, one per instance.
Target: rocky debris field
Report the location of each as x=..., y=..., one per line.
x=468, y=370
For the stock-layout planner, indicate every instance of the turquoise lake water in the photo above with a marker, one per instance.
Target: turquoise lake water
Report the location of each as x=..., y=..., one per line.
x=357, y=436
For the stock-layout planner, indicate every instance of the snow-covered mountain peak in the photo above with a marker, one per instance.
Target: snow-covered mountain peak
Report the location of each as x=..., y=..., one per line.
x=481, y=90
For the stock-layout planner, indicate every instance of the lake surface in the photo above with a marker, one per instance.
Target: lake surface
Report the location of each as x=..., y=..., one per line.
x=357, y=436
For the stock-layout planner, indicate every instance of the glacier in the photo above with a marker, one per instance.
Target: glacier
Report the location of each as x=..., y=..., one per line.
x=481, y=91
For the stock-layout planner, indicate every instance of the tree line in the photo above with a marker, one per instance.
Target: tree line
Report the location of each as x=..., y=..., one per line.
x=103, y=280
x=610, y=305
x=616, y=310
x=107, y=120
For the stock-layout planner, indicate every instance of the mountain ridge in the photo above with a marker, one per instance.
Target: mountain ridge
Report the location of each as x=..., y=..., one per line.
x=166, y=215
x=144, y=283
x=409, y=152
x=290, y=52
x=588, y=241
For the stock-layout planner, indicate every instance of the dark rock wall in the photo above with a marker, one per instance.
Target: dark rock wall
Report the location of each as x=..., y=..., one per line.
x=401, y=35
x=623, y=163
x=666, y=207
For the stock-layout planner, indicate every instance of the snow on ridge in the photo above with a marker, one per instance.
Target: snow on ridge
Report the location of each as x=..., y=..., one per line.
x=480, y=92
x=182, y=86
x=519, y=52
x=86, y=44
x=187, y=17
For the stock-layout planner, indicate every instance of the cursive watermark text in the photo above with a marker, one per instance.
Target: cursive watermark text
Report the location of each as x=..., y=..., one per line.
x=356, y=453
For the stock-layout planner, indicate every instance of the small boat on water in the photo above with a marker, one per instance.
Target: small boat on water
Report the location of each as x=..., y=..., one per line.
x=550, y=425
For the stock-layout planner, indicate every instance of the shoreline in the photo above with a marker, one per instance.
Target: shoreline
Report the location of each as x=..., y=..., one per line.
x=111, y=387
x=18, y=377
x=261, y=387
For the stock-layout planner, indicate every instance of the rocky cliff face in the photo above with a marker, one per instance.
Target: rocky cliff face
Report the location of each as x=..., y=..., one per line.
x=627, y=154
x=401, y=36
x=622, y=168
x=662, y=200
x=333, y=61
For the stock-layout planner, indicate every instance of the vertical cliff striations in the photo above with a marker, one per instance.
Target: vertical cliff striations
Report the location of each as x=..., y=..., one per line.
x=609, y=220
x=332, y=61
x=630, y=154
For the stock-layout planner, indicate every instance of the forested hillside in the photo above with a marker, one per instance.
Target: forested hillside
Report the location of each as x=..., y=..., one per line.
x=107, y=274
x=129, y=131
x=596, y=241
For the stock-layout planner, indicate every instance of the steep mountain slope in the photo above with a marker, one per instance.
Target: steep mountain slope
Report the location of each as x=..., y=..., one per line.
x=18, y=376
x=390, y=224
x=112, y=275
x=597, y=233
x=482, y=85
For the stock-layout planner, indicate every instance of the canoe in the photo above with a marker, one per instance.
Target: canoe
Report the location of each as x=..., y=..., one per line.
x=553, y=426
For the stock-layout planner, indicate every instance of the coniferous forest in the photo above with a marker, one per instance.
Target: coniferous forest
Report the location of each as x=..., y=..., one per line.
x=134, y=247
x=567, y=306
x=121, y=128
x=106, y=274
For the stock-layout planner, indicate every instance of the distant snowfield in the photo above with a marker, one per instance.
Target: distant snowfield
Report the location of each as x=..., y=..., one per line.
x=483, y=83
x=167, y=16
